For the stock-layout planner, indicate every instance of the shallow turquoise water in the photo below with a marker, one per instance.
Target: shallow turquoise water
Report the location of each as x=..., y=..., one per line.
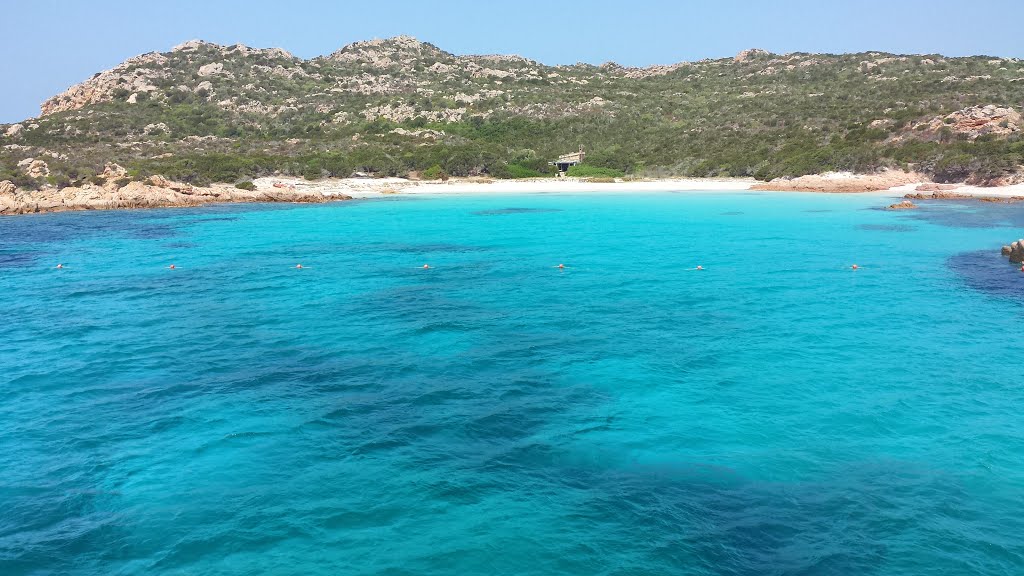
x=777, y=413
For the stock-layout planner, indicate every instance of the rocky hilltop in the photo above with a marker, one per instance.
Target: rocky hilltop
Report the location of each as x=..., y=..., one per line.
x=202, y=113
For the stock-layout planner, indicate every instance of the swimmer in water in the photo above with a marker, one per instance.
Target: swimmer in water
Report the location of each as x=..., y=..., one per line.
x=298, y=266
x=426, y=266
x=171, y=267
x=854, y=267
x=560, y=266
x=59, y=266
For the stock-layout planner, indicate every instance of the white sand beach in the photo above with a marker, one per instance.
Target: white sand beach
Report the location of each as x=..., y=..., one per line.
x=381, y=187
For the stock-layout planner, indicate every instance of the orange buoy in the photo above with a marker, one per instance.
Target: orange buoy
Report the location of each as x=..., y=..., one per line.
x=171, y=266
x=854, y=267
x=426, y=266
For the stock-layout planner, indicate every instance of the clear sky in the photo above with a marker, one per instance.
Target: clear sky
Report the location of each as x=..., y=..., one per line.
x=48, y=45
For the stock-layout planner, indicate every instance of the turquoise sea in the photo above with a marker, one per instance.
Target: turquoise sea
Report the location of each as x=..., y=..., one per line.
x=776, y=413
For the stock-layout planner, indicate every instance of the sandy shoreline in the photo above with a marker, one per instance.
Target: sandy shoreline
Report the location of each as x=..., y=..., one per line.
x=160, y=193
x=384, y=187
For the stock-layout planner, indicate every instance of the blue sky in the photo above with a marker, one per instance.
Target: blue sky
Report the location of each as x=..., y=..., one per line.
x=48, y=45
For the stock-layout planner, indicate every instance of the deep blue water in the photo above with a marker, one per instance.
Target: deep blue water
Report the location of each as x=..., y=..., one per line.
x=776, y=413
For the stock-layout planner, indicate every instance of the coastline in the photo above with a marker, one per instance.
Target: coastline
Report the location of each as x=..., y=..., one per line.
x=835, y=183
x=385, y=187
x=161, y=193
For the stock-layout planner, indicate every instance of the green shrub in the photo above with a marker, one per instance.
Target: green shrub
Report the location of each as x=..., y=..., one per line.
x=584, y=171
x=25, y=182
x=247, y=185
x=434, y=173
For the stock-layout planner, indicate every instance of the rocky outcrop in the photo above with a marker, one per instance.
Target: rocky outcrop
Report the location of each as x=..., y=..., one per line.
x=969, y=123
x=904, y=205
x=34, y=167
x=133, y=75
x=156, y=192
x=980, y=120
x=750, y=54
x=938, y=195
x=401, y=112
x=198, y=45
x=211, y=69
x=142, y=74
x=1015, y=252
x=401, y=51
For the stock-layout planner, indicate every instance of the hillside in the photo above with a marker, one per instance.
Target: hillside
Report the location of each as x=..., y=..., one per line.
x=204, y=113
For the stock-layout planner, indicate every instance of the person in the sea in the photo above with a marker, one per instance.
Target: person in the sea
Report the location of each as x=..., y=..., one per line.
x=298, y=266
x=560, y=266
x=426, y=266
x=171, y=267
x=59, y=266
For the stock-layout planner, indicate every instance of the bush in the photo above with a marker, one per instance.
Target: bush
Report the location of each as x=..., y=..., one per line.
x=583, y=171
x=25, y=182
x=245, y=186
x=434, y=173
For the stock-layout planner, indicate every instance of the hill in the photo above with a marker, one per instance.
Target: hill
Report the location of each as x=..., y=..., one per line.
x=204, y=113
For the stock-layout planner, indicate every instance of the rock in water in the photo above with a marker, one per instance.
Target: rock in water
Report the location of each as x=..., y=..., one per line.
x=1015, y=252
x=905, y=205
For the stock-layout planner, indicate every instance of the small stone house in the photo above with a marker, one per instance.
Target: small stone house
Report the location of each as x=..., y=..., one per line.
x=566, y=161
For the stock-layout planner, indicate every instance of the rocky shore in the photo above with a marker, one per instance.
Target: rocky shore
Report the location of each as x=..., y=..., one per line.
x=154, y=193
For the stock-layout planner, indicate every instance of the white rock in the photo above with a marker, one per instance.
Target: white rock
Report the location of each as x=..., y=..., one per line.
x=211, y=69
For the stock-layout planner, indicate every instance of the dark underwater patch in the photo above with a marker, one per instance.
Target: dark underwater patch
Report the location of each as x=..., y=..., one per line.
x=988, y=271
x=11, y=259
x=971, y=214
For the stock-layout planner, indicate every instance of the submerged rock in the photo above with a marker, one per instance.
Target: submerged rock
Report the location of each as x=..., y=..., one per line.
x=905, y=205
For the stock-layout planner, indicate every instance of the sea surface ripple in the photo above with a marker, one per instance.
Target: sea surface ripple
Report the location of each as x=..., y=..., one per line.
x=774, y=413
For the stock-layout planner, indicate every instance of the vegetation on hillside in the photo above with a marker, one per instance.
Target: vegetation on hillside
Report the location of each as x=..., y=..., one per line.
x=206, y=113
